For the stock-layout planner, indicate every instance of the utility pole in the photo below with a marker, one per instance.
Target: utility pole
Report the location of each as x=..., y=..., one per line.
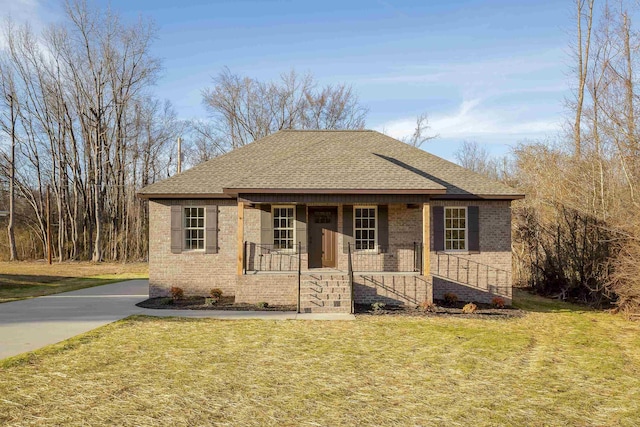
x=48, y=226
x=179, y=154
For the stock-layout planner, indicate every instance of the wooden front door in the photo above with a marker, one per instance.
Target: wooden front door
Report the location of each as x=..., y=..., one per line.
x=323, y=236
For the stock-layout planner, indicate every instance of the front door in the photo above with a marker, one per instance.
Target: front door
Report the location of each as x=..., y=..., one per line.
x=323, y=233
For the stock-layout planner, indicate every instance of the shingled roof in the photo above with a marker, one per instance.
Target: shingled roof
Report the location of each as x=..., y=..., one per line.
x=320, y=161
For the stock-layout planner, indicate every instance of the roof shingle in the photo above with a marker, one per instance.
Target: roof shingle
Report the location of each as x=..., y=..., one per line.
x=335, y=161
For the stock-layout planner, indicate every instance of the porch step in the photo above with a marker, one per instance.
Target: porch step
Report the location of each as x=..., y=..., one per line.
x=325, y=293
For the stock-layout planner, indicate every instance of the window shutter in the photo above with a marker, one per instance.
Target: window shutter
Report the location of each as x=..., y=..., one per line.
x=211, y=229
x=266, y=225
x=438, y=228
x=473, y=228
x=176, y=229
x=347, y=227
x=301, y=226
x=383, y=227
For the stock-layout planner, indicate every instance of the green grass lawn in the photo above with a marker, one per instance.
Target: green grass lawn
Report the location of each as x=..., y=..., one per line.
x=20, y=280
x=558, y=365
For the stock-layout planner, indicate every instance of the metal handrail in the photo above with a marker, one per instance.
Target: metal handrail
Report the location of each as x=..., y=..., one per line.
x=350, y=272
x=392, y=258
x=270, y=257
x=482, y=271
x=299, y=272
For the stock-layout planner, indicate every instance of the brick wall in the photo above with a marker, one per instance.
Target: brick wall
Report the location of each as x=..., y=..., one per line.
x=278, y=289
x=495, y=251
x=391, y=289
x=194, y=271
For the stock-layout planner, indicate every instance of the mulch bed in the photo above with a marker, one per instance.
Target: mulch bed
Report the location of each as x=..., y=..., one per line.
x=484, y=311
x=198, y=303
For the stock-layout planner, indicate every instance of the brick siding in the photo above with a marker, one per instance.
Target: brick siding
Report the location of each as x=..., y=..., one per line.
x=197, y=273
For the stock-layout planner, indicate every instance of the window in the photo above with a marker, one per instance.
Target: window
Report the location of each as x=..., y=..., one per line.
x=365, y=227
x=283, y=227
x=194, y=228
x=455, y=229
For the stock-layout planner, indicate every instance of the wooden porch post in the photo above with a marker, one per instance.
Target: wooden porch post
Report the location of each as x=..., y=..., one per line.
x=426, y=238
x=240, y=237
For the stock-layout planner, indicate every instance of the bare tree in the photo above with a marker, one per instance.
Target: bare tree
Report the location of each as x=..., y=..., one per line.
x=8, y=124
x=419, y=135
x=243, y=109
x=582, y=56
x=84, y=124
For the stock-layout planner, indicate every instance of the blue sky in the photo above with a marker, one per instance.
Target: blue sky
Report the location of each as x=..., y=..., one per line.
x=495, y=72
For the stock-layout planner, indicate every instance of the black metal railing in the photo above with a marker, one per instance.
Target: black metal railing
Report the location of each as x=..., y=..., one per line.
x=350, y=272
x=265, y=257
x=469, y=272
x=393, y=258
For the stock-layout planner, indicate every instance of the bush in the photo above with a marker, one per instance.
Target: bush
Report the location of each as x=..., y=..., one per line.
x=215, y=294
x=427, y=306
x=177, y=293
x=262, y=304
x=378, y=306
x=469, y=308
x=497, y=302
x=450, y=298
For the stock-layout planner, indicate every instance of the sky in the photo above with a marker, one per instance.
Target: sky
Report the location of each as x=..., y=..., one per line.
x=496, y=72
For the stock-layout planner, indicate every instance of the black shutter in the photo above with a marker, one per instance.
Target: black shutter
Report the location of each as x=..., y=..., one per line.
x=301, y=226
x=176, y=229
x=383, y=227
x=266, y=225
x=438, y=228
x=211, y=229
x=473, y=230
x=347, y=227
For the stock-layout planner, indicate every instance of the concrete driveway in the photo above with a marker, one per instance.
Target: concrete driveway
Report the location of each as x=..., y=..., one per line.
x=33, y=323
x=30, y=324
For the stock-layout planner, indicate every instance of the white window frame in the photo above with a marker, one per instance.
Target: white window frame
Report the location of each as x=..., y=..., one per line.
x=375, y=240
x=294, y=244
x=185, y=228
x=466, y=228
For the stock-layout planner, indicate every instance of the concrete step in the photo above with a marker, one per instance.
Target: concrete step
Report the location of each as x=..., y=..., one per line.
x=325, y=297
x=325, y=278
x=325, y=282
x=326, y=309
x=325, y=290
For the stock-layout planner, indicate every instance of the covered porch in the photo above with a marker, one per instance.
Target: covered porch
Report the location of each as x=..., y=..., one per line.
x=332, y=252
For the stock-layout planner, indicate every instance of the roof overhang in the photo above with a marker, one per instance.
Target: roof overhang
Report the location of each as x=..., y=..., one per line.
x=234, y=192
x=184, y=196
x=479, y=196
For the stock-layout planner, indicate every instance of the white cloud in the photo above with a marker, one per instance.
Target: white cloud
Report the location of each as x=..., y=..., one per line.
x=22, y=12
x=473, y=121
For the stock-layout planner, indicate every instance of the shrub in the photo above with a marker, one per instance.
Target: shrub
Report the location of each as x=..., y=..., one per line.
x=177, y=293
x=497, y=302
x=262, y=304
x=378, y=306
x=450, y=298
x=427, y=306
x=215, y=294
x=469, y=308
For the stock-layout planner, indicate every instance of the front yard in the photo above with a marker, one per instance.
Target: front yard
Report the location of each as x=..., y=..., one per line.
x=27, y=279
x=556, y=365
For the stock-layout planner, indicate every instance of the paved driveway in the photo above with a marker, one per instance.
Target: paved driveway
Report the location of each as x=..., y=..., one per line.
x=33, y=323
x=30, y=324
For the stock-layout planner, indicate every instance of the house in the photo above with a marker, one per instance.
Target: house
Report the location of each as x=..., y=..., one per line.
x=323, y=219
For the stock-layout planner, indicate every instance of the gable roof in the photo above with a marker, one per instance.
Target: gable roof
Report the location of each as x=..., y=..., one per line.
x=320, y=161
